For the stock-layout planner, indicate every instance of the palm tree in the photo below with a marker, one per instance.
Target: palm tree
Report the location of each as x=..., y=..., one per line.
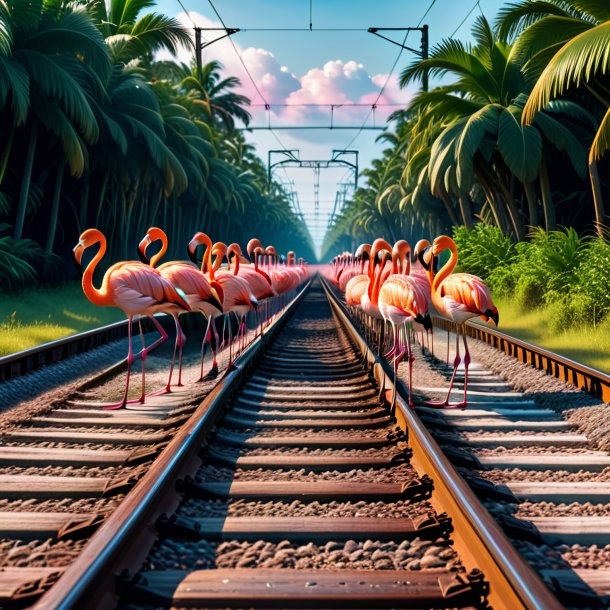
x=214, y=97
x=567, y=44
x=474, y=131
x=130, y=37
x=52, y=49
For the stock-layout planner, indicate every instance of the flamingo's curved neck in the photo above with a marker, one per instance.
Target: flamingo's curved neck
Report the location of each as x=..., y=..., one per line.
x=159, y=255
x=446, y=270
x=375, y=285
x=236, y=269
x=406, y=264
x=95, y=295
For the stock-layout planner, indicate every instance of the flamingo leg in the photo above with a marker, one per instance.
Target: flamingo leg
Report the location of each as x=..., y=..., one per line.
x=206, y=337
x=180, y=340
x=143, y=354
x=411, y=359
x=130, y=360
x=466, y=365
x=456, y=363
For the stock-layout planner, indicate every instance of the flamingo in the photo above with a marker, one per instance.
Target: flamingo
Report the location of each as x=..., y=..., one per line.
x=283, y=279
x=238, y=299
x=201, y=239
x=202, y=296
x=133, y=287
x=459, y=297
x=369, y=299
x=265, y=289
x=402, y=300
x=357, y=285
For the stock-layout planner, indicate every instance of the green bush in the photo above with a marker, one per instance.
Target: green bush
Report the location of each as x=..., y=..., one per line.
x=483, y=249
x=569, y=310
x=16, y=262
x=592, y=278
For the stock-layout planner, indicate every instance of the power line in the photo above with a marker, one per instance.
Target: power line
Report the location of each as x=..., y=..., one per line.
x=387, y=80
x=465, y=18
x=328, y=105
x=187, y=13
x=243, y=63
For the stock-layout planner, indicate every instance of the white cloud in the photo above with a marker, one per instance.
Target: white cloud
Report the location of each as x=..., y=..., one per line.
x=337, y=82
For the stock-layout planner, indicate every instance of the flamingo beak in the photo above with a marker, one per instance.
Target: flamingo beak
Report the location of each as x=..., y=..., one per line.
x=492, y=315
x=191, y=250
x=425, y=320
x=142, y=249
x=77, y=255
x=425, y=258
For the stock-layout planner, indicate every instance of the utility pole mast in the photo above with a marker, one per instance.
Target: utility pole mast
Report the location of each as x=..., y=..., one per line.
x=423, y=53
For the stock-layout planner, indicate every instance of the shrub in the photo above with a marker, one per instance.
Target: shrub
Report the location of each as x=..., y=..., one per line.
x=592, y=279
x=16, y=258
x=483, y=249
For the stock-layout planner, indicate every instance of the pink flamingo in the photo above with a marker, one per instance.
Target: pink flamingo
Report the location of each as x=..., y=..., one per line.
x=200, y=294
x=238, y=299
x=259, y=280
x=201, y=239
x=402, y=300
x=133, y=287
x=459, y=297
x=369, y=299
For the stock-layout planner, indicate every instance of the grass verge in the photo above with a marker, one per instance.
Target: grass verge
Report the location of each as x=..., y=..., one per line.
x=588, y=345
x=40, y=315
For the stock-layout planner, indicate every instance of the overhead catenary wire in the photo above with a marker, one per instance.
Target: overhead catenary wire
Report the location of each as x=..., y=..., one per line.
x=187, y=13
x=389, y=76
x=474, y=6
x=251, y=78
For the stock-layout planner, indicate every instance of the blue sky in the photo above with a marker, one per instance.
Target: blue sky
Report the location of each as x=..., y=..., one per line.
x=322, y=67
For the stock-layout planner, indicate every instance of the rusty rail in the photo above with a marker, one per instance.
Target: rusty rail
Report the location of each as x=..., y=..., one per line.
x=479, y=541
x=583, y=377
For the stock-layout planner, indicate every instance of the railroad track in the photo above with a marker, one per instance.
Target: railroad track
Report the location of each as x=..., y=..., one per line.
x=289, y=485
x=69, y=465
x=545, y=483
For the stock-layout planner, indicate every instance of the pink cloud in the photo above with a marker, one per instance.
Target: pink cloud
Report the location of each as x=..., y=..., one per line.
x=336, y=82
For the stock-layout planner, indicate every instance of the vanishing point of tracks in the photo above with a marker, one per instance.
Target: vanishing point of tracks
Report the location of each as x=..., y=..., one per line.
x=290, y=486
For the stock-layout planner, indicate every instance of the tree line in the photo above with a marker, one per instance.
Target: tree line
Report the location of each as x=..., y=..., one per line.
x=514, y=137
x=95, y=132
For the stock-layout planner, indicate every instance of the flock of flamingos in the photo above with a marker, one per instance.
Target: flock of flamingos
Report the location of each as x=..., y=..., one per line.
x=144, y=289
x=379, y=281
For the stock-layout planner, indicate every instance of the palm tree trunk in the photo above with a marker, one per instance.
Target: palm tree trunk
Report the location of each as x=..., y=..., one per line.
x=486, y=179
x=532, y=203
x=466, y=211
x=25, y=182
x=84, y=203
x=100, y=204
x=450, y=211
x=513, y=211
x=54, y=209
x=598, y=202
x=6, y=153
x=548, y=206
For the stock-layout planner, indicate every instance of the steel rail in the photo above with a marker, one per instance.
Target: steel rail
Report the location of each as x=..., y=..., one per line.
x=479, y=541
x=34, y=358
x=123, y=541
x=583, y=377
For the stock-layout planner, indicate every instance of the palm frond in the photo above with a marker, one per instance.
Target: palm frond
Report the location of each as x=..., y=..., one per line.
x=579, y=61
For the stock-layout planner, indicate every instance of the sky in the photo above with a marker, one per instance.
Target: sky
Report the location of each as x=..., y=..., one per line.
x=300, y=74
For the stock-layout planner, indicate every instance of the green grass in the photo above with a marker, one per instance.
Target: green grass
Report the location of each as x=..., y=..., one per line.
x=589, y=345
x=42, y=315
